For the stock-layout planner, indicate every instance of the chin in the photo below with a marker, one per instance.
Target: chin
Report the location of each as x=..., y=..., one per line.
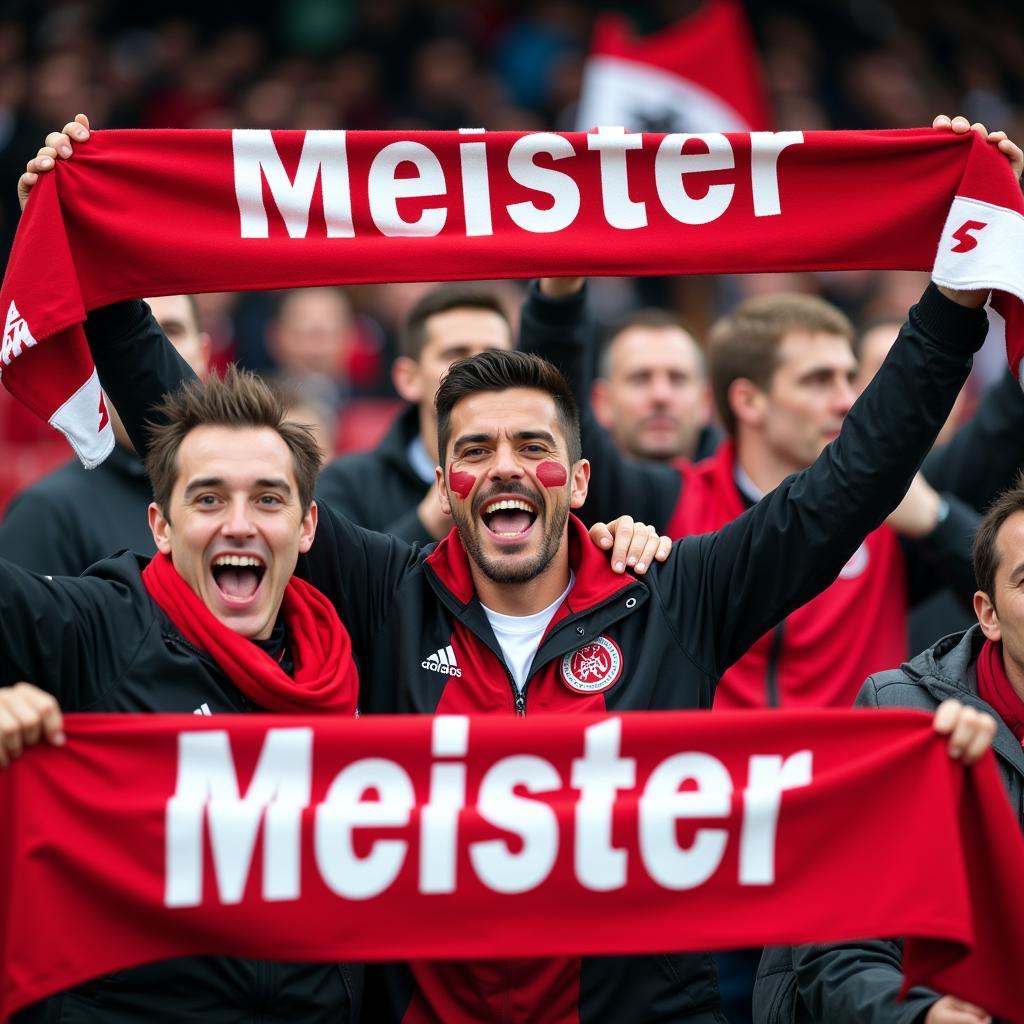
x=248, y=626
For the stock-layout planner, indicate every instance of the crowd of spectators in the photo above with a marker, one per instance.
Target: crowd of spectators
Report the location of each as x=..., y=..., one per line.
x=431, y=64
x=411, y=65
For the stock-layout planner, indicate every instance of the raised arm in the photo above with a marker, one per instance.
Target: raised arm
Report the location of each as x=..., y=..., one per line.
x=733, y=585
x=136, y=363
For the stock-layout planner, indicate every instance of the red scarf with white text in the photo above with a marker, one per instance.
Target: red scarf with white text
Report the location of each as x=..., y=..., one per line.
x=995, y=688
x=138, y=213
x=325, y=680
x=154, y=836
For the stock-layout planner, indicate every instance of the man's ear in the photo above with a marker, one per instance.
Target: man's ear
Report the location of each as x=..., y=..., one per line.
x=160, y=528
x=747, y=402
x=987, y=616
x=405, y=375
x=442, y=491
x=580, y=483
x=600, y=403
x=308, y=531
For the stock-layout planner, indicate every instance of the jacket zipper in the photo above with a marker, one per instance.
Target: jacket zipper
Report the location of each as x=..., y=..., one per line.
x=518, y=696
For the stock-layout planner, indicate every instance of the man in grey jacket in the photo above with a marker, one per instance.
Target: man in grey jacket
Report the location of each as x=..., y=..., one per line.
x=984, y=670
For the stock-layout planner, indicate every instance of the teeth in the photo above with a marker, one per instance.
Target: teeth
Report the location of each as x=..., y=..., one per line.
x=238, y=560
x=498, y=506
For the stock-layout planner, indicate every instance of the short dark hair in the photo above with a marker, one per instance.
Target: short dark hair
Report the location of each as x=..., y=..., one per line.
x=650, y=318
x=499, y=370
x=985, y=553
x=745, y=344
x=443, y=299
x=240, y=400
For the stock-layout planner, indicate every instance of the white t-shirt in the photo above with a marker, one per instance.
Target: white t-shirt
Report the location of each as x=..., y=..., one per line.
x=520, y=635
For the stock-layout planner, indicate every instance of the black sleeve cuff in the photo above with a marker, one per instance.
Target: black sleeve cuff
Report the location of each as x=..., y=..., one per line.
x=566, y=310
x=955, y=525
x=950, y=324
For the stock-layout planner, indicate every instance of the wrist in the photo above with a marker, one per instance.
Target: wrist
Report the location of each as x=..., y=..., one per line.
x=560, y=287
x=970, y=299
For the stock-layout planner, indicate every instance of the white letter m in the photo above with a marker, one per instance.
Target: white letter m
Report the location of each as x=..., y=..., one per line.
x=207, y=792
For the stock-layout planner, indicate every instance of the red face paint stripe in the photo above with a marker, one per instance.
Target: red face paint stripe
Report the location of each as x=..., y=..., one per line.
x=552, y=474
x=461, y=483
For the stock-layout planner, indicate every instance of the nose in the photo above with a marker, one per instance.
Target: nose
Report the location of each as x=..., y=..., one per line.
x=238, y=522
x=661, y=390
x=506, y=464
x=845, y=396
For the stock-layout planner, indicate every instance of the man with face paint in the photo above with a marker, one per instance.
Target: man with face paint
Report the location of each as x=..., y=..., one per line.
x=391, y=487
x=515, y=612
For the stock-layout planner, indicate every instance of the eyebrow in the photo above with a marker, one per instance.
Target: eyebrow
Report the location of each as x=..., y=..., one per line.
x=522, y=435
x=461, y=442
x=274, y=483
x=535, y=435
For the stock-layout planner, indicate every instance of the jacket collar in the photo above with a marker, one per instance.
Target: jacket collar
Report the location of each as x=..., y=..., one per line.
x=948, y=669
x=595, y=582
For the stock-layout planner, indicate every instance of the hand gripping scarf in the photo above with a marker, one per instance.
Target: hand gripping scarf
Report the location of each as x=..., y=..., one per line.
x=413, y=837
x=137, y=213
x=325, y=679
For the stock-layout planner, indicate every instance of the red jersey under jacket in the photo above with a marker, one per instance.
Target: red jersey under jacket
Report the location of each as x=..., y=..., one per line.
x=819, y=655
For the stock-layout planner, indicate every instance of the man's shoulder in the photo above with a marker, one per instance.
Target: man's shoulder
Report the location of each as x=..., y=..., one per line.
x=123, y=568
x=72, y=480
x=941, y=671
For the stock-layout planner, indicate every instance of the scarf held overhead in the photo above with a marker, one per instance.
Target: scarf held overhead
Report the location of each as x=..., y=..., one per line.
x=325, y=680
x=137, y=213
x=148, y=837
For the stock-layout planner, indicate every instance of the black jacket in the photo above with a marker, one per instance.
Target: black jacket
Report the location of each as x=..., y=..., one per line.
x=857, y=982
x=74, y=516
x=981, y=460
x=379, y=489
x=677, y=629
x=99, y=643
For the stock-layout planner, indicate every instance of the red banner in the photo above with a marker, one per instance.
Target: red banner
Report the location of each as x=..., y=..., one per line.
x=138, y=213
x=148, y=837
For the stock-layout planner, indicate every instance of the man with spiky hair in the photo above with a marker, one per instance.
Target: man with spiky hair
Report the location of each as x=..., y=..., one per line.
x=214, y=623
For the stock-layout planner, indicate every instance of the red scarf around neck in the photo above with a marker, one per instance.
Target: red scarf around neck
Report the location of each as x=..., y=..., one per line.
x=995, y=688
x=138, y=213
x=325, y=679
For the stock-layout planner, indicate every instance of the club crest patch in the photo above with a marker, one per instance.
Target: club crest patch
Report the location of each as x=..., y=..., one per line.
x=594, y=667
x=856, y=565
